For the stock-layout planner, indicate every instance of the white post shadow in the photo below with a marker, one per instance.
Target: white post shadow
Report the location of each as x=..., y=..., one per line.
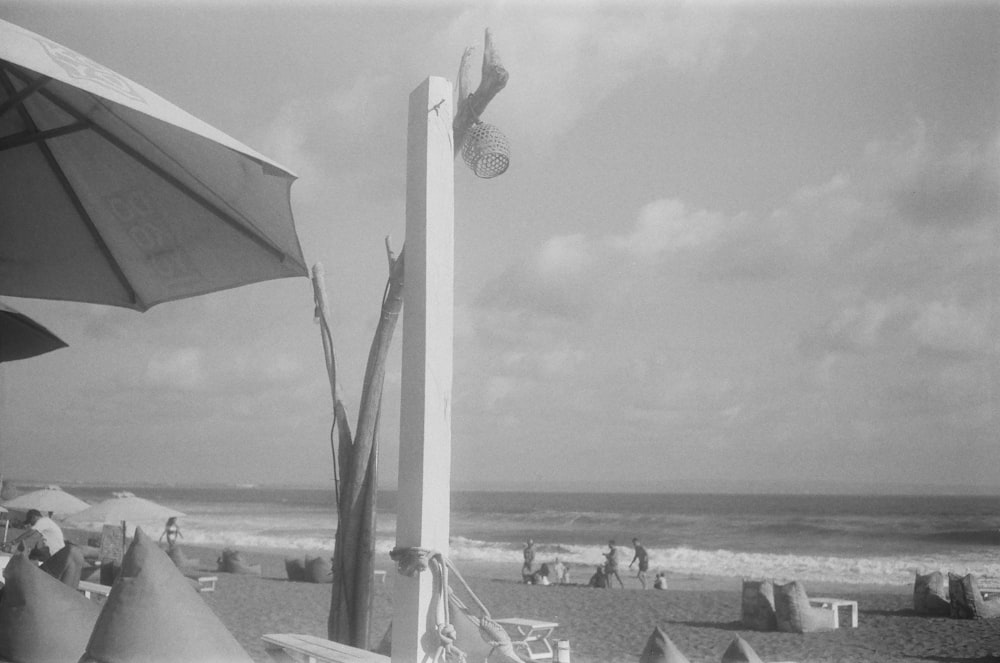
x=424, y=503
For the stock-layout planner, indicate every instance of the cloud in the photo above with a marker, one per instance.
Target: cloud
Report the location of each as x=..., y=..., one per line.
x=567, y=59
x=571, y=276
x=177, y=369
x=950, y=327
x=883, y=326
x=959, y=188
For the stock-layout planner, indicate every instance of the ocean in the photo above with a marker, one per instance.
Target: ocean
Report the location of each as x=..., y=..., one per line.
x=848, y=539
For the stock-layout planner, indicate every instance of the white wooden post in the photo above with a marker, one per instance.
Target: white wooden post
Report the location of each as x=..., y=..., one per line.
x=424, y=502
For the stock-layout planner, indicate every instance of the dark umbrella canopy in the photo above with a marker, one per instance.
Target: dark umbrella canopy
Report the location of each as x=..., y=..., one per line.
x=113, y=195
x=21, y=337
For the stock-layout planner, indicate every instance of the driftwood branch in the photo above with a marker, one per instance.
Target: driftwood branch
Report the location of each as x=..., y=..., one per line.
x=471, y=106
x=353, y=557
x=322, y=314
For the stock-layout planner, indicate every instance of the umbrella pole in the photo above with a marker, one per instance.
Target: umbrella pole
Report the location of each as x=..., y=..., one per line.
x=423, y=518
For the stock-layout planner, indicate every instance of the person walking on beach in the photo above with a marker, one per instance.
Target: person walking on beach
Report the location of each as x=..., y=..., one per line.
x=643, y=558
x=611, y=566
x=529, y=561
x=171, y=530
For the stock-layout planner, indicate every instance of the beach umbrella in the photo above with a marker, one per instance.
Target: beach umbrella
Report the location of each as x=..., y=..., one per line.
x=124, y=507
x=113, y=195
x=49, y=498
x=21, y=337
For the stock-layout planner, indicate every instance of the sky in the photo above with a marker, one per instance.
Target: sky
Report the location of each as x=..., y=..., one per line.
x=740, y=246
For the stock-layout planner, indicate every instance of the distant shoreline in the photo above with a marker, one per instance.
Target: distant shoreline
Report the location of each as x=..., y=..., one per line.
x=791, y=489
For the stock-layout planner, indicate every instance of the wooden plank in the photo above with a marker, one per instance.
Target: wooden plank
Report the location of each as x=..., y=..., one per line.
x=423, y=519
x=312, y=648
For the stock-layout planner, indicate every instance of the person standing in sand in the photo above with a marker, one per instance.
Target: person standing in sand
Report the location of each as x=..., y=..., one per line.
x=561, y=573
x=529, y=560
x=643, y=558
x=611, y=566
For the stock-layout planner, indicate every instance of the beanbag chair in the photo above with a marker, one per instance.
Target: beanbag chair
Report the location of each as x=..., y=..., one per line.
x=295, y=568
x=740, y=651
x=232, y=561
x=659, y=649
x=793, y=613
x=318, y=570
x=757, y=608
x=41, y=619
x=966, y=600
x=930, y=594
x=66, y=565
x=153, y=614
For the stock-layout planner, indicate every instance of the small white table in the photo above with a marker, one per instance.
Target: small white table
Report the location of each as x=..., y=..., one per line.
x=89, y=588
x=531, y=634
x=835, y=605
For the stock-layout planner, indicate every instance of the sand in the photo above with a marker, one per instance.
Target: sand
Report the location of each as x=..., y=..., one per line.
x=700, y=614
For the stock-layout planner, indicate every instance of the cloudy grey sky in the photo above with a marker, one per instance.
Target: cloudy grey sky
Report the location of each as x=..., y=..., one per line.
x=739, y=246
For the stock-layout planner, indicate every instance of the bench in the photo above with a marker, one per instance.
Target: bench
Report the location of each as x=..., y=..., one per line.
x=380, y=576
x=293, y=647
x=205, y=584
x=835, y=605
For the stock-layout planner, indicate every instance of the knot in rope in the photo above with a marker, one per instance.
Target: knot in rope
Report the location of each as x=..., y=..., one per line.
x=447, y=636
x=411, y=561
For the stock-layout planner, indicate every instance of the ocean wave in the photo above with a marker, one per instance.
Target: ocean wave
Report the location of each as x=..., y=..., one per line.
x=876, y=570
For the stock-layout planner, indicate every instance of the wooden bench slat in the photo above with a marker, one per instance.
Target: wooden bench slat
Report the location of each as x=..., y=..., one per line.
x=312, y=648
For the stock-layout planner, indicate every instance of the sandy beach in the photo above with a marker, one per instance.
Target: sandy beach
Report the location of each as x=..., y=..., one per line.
x=700, y=614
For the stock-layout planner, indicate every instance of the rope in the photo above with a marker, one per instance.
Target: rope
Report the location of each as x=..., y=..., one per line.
x=410, y=562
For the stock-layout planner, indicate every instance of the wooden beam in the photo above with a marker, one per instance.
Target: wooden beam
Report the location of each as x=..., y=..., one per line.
x=423, y=515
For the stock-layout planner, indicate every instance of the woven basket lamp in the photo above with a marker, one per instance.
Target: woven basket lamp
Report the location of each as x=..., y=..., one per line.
x=486, y=150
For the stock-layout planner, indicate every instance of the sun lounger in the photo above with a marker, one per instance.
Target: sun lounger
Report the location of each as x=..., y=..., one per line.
x=293, y=647
x=530, y=635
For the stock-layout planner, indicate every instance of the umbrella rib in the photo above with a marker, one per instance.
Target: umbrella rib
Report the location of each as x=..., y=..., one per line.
x=18, y=97
x=34, y=137
x=179, y=185
x=68, y=190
